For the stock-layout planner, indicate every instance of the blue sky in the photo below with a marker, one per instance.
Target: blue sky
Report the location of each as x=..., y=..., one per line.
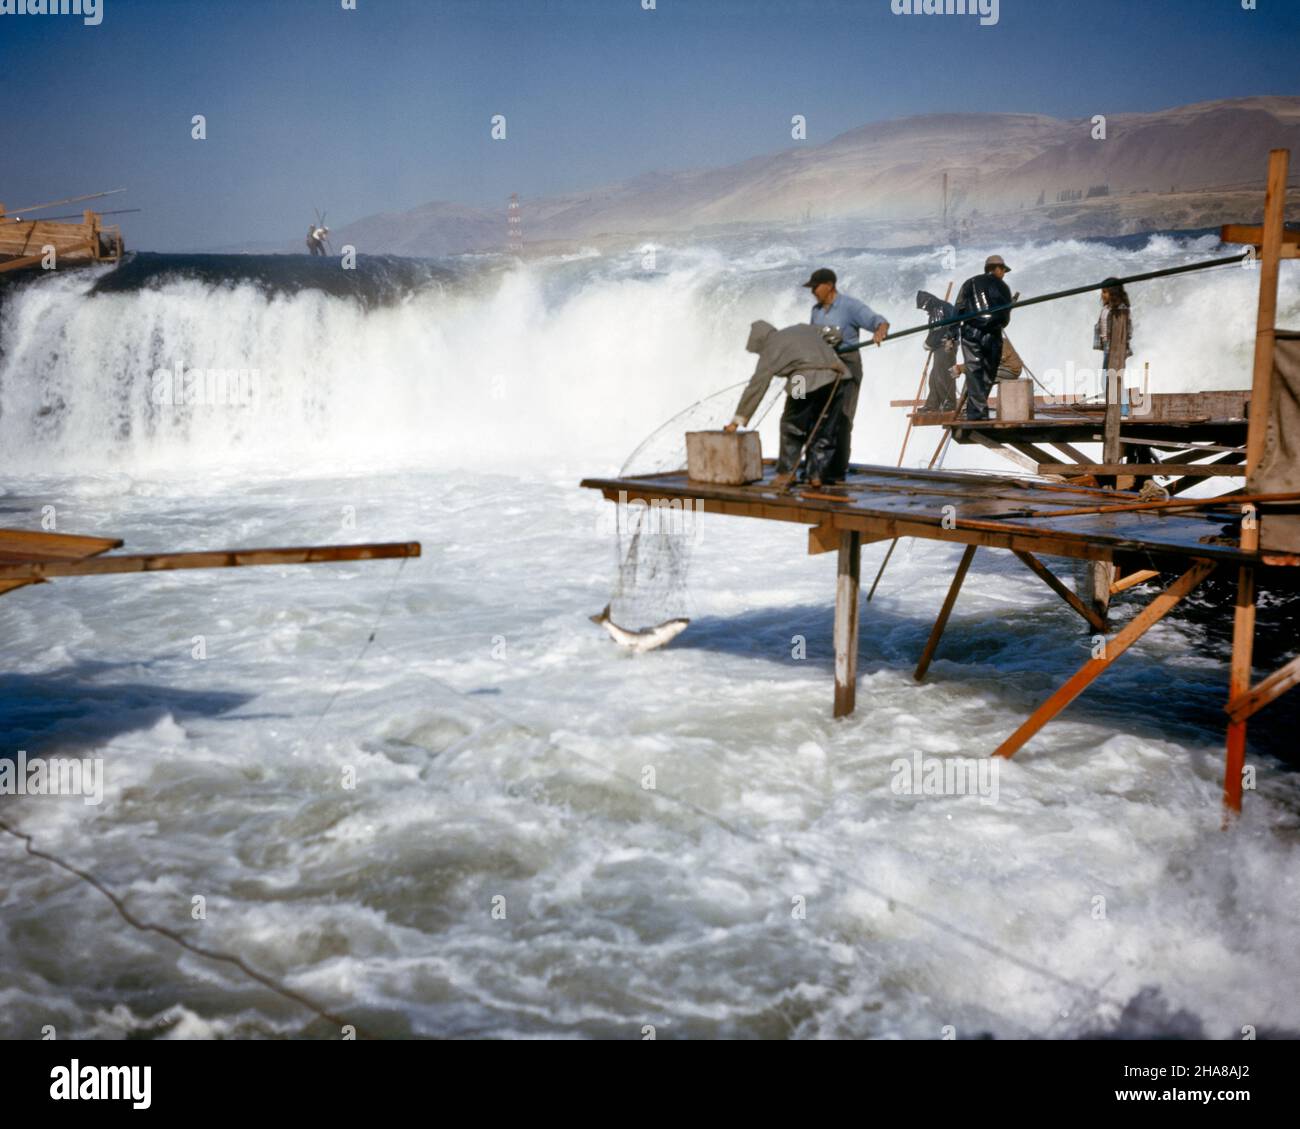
x=389, y=106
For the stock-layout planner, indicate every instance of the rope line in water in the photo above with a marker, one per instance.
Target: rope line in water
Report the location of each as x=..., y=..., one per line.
x=171, y=934
x=370, y=638
x=215, y=954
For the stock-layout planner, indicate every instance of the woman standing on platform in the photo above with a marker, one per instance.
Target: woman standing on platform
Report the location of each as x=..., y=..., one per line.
x=1114, y=332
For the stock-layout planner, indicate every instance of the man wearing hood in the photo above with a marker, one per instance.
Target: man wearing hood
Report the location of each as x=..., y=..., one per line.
x=942, y=343
x=814, y=374
x=985, y=296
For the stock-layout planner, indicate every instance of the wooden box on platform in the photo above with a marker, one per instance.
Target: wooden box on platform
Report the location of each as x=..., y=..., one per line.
x=1280, y=532
x=1015, y=399
x=724, y=458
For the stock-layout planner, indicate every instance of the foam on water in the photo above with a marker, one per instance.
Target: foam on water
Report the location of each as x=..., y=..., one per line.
x=500, y=742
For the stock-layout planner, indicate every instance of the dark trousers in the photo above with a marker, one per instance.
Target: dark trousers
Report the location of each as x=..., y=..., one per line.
x=797, y=421
x=982, y=353
x=852, y=385
x=943, y=381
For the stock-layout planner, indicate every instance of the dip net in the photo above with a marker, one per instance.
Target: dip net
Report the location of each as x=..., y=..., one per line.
x=654, y=544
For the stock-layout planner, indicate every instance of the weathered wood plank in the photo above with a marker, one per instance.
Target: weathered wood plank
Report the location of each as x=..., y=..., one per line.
x=1132, y=580
x=1253, y=234
x=824, y=538
x=1175, y=445
x=1001, y=448
x=27, y=544
x=224, y=558
x=1185, y=482
x=20, y=263
x=1035, y=453
x=1212, y=470
x=889, y=502
x=1069, y=451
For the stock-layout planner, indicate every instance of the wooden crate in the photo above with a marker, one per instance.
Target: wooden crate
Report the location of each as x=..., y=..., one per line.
x=725, y=458
x=1015, y=399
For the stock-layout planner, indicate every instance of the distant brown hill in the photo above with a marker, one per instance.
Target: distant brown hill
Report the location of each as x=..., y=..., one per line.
x=1009, y=174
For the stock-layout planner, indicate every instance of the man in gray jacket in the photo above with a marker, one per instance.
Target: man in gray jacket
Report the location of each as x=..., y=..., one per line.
x=814, y=375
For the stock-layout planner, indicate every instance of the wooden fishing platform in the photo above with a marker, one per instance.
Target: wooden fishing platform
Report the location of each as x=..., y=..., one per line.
x=1082, y=511
x=1031, y=519
x=27, y=244
x=1185, y=437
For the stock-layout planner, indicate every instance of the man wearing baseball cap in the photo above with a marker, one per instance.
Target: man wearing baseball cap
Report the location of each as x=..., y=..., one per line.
x=849, y=316
x=981, y=335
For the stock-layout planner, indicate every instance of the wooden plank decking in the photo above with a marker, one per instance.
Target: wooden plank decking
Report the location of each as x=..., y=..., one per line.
x=998, y=511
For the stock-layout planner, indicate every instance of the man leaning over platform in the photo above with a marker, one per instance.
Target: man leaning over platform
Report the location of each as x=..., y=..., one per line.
x=815, y=378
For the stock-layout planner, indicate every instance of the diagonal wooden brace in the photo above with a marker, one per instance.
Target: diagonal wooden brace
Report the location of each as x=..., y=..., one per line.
x=1050, y=579
x=1084, y=677
x=1257, y=697
x=1132, y=580
x=939, y=624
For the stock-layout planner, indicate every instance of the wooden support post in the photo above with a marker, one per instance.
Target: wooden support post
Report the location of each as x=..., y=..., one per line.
x=1243, y=653
x=1049, y=578
x=1243, y=622
x=1112, y=452
x=1266, y=319
x=1096, y=587
x=1100, y=575
x=847, y=577
x=939, y=624
x=1084, y=677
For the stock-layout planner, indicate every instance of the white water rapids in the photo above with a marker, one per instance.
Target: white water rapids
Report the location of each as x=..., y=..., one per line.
x=498, y=867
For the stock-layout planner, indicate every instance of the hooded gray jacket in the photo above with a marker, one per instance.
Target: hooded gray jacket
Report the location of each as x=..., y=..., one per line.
x=797, y=350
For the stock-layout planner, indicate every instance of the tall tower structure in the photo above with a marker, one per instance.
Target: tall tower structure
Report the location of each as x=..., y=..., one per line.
x=516, y=225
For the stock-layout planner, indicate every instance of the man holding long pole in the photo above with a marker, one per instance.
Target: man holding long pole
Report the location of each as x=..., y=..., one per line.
x=849, y=316
x=986, y=297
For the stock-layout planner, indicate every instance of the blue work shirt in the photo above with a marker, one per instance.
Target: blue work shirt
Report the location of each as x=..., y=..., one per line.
x=849, y=316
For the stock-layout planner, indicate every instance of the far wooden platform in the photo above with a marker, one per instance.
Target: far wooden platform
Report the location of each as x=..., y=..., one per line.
x=33, y=557
x=23, y=243
x=26, y=547
x=1183, y=436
